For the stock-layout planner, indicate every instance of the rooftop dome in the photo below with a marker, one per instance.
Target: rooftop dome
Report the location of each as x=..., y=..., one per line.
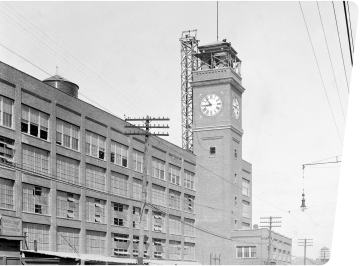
x=63, y=84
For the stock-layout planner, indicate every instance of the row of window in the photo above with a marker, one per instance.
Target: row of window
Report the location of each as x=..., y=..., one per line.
x=68, y=240
x=250, y=252
x=36, y=200
x=281, y=255
x=68, y=169
x=37, y=160
x=36, y=123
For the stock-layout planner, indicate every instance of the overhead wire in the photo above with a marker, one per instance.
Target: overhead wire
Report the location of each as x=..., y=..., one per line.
x=342, y=55
x=320, y=74
x=74, y=57
x=332, y=67
x=73, y=65
x=348, y=34
x=42, y=70
x=351, y=31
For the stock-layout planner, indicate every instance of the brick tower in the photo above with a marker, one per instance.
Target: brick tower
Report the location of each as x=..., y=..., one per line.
x=222, y=205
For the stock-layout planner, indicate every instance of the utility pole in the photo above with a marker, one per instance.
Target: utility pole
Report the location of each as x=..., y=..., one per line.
x=270, y=226
x=147, y=126
x=307, y=243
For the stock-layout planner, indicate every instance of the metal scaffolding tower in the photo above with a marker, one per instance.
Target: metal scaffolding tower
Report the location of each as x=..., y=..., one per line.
x=189, y=63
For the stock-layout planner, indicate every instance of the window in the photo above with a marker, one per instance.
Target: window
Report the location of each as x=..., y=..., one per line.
x=137, y=188
x=235, y=202
x=95, y=242
x=279, y=258
x=235, y=178
x=67, y=239
x=158, y=167
x=189, y=229
x=120, y=245
x=67, y=205
x=95, y=145
x=246, y=209
x=159, y=222
x=136, y=246
x=235, y=153
x=246, y=252
x=119, y=214
x=274, y=254
x=119, y=184
x=212, y=151
x=136, y=218
x=158, y=248
x=6, y=150
x=95, y=210
x=6, y=112
x=67, y=169
x=189, y=251
x=189, y=203
x=35, y=159
x=174, y=174
x=38, y=232
x=138, y=161
x=174, y=250
x=174, y=225
x=34, y=122
x=246, y=187
x=158, y=195
x=67, y=135
x=35, y=199
x=95, y=177
x=6, y=193
x=189, y=180
x=119, y=154
x=174, y=199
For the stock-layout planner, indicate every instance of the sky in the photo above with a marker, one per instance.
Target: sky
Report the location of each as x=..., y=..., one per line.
x=125, y=57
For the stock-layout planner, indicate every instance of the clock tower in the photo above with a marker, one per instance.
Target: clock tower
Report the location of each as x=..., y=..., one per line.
x=223, y=203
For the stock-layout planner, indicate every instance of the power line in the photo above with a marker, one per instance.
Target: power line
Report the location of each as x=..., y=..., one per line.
x=352, y=40
x=348, y=34
x=342, y=55
x=327, y=46
x=320, y=74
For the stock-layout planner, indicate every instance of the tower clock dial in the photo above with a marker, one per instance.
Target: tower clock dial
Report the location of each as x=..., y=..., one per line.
x=211, y=104
x=236, y=108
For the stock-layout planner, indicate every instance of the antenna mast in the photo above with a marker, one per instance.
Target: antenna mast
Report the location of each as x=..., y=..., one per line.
x=217, y=21
x=189, y=63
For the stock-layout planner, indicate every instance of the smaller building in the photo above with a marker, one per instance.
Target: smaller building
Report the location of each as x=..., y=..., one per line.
x=251, y=247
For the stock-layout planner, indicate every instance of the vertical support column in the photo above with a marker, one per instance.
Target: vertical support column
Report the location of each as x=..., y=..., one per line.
x=52, y=194
x=18, y=151
x=82, y=201
x=130, y=195
x=108, y=242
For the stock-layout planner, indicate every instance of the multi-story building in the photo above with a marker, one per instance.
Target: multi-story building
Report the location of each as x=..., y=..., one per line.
x=74, y=178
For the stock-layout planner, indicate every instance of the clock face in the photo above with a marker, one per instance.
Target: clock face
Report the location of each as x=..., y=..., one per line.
x=236, y=108
x=211, y=104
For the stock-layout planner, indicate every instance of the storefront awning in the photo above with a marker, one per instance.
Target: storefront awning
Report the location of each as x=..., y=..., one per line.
x=19, y=238
x=171, y=262
x=85, y=257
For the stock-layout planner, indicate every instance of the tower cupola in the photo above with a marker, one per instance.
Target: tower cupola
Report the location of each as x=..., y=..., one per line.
x=219, y=55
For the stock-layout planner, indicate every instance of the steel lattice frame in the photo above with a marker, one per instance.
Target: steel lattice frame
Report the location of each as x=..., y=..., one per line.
x=189, y=63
